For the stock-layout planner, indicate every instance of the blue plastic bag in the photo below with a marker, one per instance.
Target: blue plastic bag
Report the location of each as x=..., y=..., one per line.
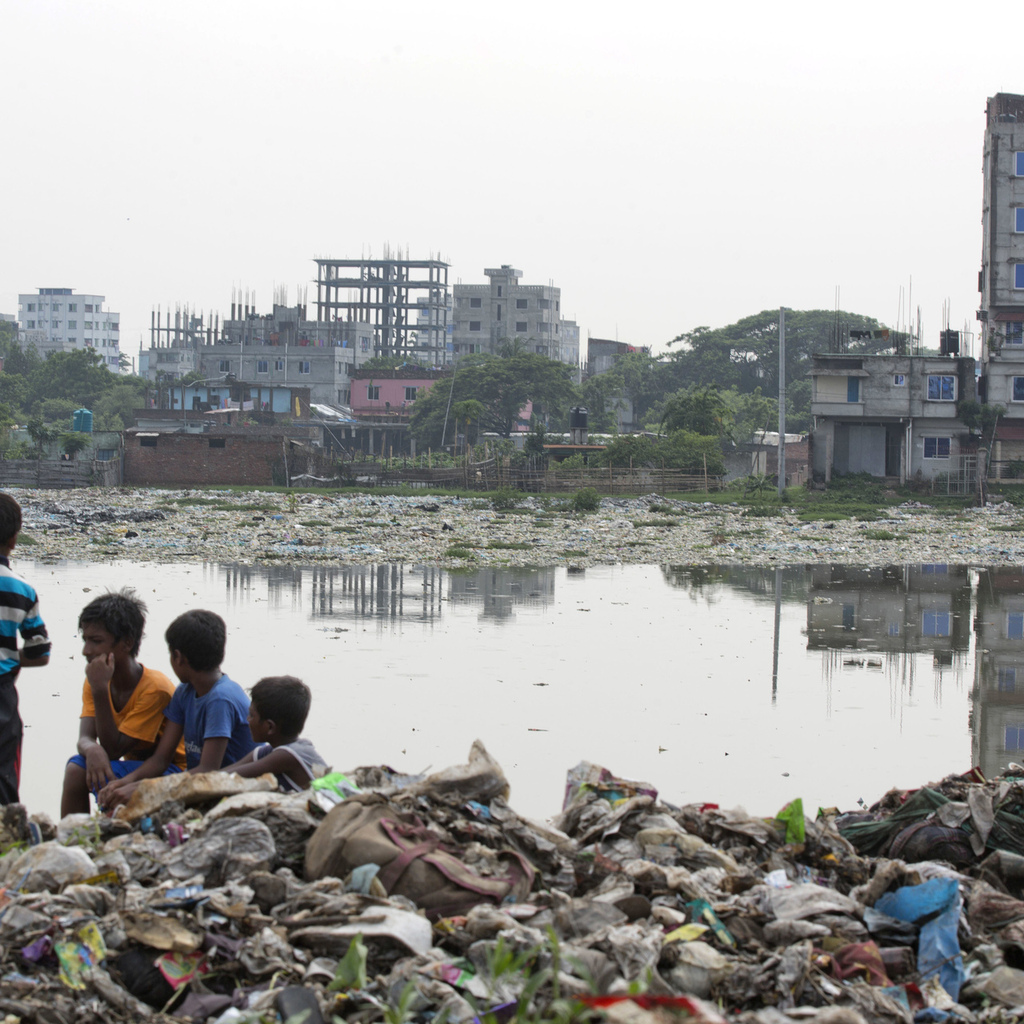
x=938, y=949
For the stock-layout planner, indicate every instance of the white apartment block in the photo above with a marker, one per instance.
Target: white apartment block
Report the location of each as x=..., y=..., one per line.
x=488, y=315
x=58, y=320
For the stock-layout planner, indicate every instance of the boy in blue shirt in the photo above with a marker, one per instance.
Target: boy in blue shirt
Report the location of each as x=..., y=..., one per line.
x=210, y=710
x=19, y=613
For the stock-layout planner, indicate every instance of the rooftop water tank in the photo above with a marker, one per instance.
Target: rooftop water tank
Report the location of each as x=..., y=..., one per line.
x=81, y=419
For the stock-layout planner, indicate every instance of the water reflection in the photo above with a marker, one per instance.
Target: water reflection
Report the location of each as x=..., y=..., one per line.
x=997, y=726
x=389, y=591
x=744, y=684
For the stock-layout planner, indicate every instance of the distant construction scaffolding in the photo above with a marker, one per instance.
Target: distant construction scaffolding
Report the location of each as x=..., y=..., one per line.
x=409, y=314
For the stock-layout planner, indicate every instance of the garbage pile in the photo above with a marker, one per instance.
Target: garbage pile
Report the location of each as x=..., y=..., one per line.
x=380, y=897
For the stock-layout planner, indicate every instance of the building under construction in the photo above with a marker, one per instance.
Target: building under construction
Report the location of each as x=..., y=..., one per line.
x=405, y=301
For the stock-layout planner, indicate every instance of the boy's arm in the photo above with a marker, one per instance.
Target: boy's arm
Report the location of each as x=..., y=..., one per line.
x=212, y=756
x=157, y=763
x=115, y=744
x=279, y=761
x=35, y=651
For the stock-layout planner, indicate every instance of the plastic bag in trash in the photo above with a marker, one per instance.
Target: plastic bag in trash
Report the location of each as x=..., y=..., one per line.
x=50, y=866
x=938, y=903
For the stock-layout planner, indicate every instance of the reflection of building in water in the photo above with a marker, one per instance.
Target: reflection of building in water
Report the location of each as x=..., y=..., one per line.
x=385, y=591
x=897, y=609
x=705, y=580
x=501, y=591
x=997, y=716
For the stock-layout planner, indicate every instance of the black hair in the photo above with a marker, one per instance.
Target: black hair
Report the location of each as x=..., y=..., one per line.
x=120, y=613
x=283, y=700
x=10, y=518
x=200, y=636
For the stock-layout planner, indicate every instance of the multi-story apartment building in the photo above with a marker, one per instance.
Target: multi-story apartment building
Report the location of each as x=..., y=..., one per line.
x=276, y=349
x=1001, y=281
x=891, y=415
x=503, y=310
x=57, y=320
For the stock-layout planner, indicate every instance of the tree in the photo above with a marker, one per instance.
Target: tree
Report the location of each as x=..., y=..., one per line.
x=503, y=387
x=115, y=410
x=604, y=396
x=700, y=410
x=41, y=434
x=468, y=412
x=745, y=355
x=74, y=441
x=80, y=376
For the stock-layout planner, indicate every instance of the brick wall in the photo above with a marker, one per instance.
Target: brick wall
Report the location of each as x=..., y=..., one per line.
x=196, y=460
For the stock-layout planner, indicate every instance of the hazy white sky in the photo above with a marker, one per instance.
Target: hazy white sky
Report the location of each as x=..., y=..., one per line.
x=666, y=164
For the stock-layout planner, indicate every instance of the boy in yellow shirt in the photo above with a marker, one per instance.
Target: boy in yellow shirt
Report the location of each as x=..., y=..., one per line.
x=123, y=702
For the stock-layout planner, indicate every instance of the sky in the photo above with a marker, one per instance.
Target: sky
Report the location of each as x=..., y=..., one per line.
x=667, y=165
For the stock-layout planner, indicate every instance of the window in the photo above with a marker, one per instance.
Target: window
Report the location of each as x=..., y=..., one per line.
x=521, y=326
x=544, y=303
x=556, y=307
x=899, y=380
x=344, y=396
x=105, y=454
x=410, y=394
x=31, y=307
x=498, y=317
x=474, y=325
x=499, y=291
x=1006, y=677
x=1018, y=275
x=262, y=365
x=1018, y=219
x=72, y=324
x=88, y=307
x=935, y=623
x=934, y=569
x=373, y=392
x=941, y=388
x=1015, y=626
x=87, y=324
x=278, y=364
x=1018, y=389
x=522, y=303
x=1018, y=165
x=364, y=344
x=30, y=324
x=224, y=366
x=72, y=307
x=217, y=442
x=936, y=447
x=1015, y=333
x=303, y=366
x=1013, y=737
x=56, y=307
x=147, y=442
x=113, y=326
x=474, y=303
x=55, y=323
x=853, y=389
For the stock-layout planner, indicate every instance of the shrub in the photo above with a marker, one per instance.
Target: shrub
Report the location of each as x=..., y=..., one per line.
x=585, y=500
x=505, y=498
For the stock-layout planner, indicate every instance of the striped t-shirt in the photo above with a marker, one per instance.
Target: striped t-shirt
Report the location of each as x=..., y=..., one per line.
x=19, y=613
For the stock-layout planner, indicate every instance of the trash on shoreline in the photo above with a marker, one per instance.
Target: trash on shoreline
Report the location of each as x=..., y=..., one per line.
x=401, y=898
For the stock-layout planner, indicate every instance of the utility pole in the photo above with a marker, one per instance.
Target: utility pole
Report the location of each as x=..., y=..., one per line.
x=782, y=401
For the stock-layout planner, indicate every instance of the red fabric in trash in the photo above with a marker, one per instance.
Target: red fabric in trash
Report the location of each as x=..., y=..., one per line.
x=860, y=960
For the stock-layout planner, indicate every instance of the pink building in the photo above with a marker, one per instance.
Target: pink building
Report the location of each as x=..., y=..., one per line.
x=389, y=394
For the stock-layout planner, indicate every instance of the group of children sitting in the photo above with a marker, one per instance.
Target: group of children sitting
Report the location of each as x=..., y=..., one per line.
x=136, y=724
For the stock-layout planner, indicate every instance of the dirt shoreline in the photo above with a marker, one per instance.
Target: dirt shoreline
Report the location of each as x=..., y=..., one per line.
x=258, y=527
